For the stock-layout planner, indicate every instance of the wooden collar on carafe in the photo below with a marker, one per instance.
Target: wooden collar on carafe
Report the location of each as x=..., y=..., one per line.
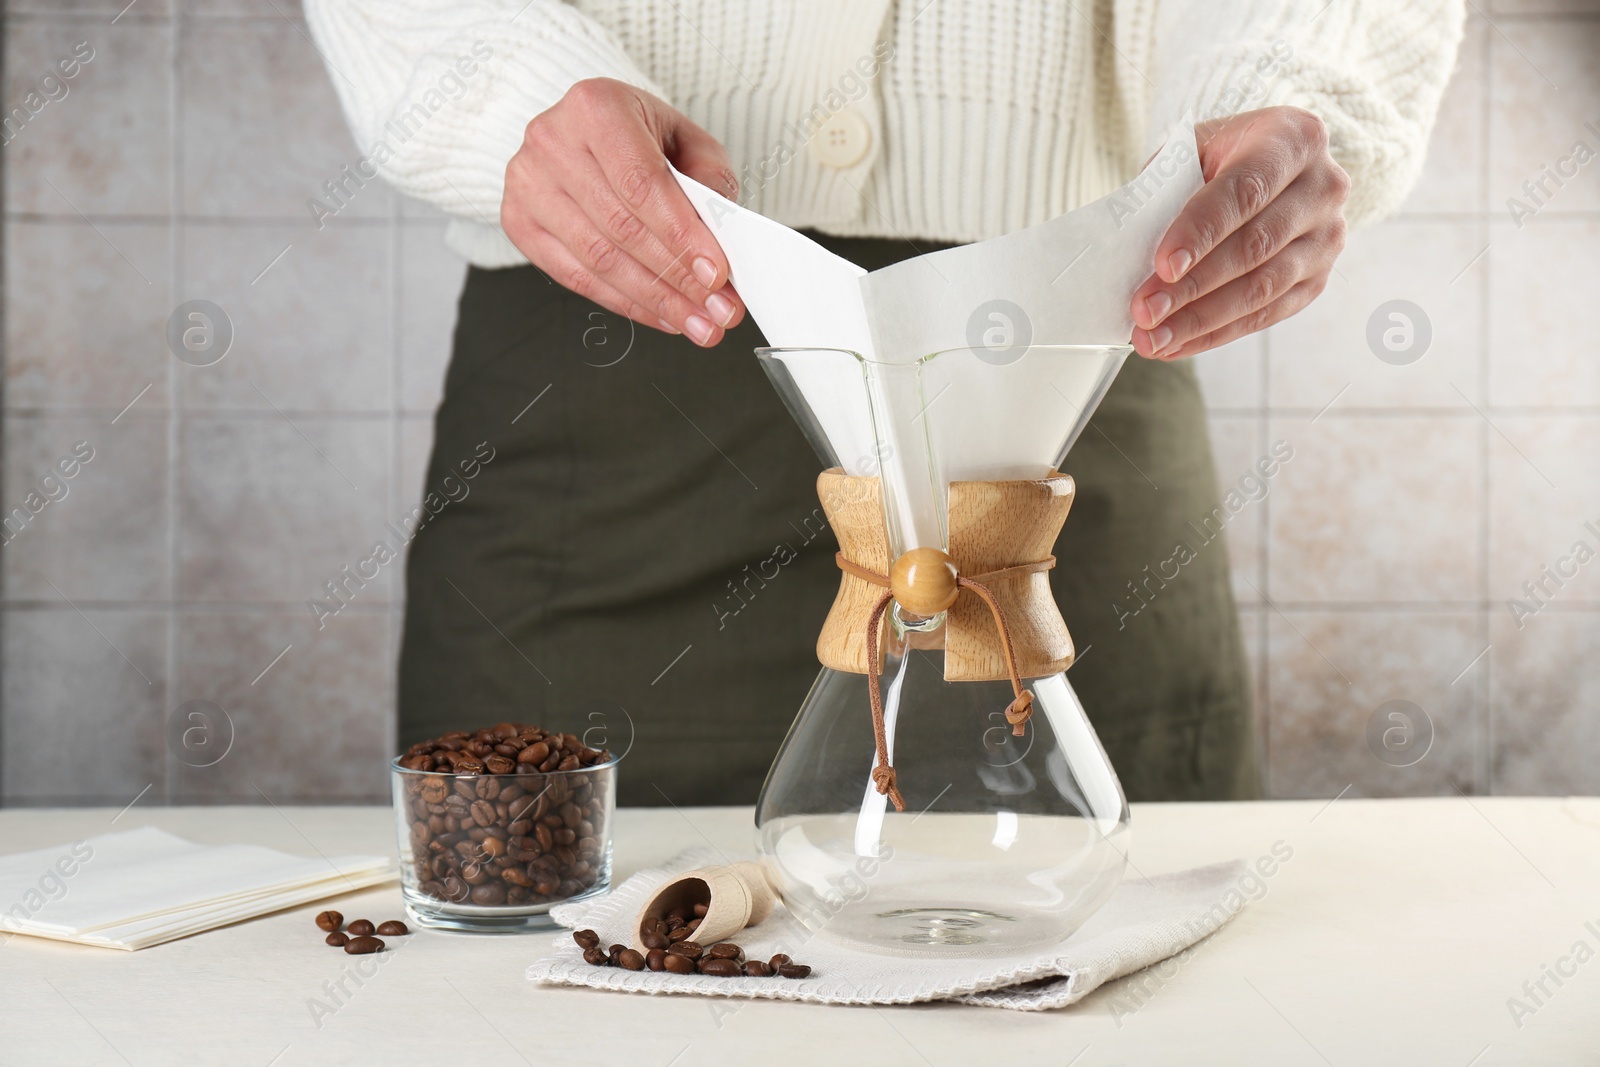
x=925, y=582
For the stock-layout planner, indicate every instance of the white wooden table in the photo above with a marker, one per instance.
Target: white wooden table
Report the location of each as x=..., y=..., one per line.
x=1398, y=932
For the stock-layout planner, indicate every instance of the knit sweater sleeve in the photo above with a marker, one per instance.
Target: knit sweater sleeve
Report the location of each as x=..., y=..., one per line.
x=1372, y=70
x=439, y=92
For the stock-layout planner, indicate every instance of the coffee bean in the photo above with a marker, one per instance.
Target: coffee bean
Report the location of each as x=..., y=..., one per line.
x=593, y=955
x=681, y=933
x=393, y=928
x=630, y=960
x=757, y=969
x=655, y=959
x=794, y=970
x=677, y=964
x=489, y=894
x=778, y=961
x=360, y=946
x=651, y=939
x=720, y=968
x=336, y=939
x=725, y=950
x=329, y=920
x=689, y=949
x=491, y=811
x=700, y=910
x=361, y=928
x=586, y=938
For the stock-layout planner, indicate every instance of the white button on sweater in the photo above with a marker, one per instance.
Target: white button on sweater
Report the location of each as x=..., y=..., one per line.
x=967, y=118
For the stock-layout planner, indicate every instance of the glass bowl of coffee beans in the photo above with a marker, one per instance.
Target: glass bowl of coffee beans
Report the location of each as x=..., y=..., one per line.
x=500, y=824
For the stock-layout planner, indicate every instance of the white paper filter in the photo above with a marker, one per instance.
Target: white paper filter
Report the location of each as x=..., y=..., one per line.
x=136, y=888
x=1005, y=407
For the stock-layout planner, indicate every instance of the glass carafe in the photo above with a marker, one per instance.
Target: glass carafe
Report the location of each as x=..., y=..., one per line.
x=1006, y=843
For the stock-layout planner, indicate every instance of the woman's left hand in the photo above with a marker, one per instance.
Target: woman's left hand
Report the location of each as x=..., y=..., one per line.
x=1255, y=244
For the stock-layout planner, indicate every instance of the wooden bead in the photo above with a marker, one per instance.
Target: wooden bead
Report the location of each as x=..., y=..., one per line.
x=924, y=581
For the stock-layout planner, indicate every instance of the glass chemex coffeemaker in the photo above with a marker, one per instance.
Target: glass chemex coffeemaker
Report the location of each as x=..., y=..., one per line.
x=941, y=791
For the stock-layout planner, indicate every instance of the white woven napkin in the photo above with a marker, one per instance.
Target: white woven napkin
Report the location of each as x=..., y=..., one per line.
x=1143, y=923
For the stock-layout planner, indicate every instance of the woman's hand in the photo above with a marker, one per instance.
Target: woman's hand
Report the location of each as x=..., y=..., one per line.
x=590, y=201
x=1255, y=244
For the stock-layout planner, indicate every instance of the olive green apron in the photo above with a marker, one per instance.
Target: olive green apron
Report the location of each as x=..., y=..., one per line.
x=642, y=556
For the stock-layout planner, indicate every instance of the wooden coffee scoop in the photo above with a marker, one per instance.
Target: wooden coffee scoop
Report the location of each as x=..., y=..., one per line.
x=735, y=897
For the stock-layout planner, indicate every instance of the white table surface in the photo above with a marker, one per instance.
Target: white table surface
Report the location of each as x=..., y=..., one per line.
x=1395, y=934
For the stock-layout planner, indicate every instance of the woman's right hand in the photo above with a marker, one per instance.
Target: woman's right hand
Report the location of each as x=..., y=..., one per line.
x=590, y=201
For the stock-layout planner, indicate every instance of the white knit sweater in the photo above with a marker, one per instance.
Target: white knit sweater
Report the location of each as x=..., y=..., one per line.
x=978, y=117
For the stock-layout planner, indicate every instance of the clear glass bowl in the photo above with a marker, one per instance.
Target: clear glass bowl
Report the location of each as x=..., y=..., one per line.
x=1006, y=843
x=494, y=852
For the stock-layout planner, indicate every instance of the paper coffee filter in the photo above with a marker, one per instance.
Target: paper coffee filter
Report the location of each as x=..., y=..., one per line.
x=949, y=366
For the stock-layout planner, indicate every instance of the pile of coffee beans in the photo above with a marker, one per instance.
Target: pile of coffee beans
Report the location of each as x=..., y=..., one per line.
x=357, y=938
x=497, y=823
x=671, y=948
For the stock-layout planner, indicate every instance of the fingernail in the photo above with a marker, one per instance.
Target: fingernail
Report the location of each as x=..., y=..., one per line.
x=705, y=270
x=1180, y=262
x=665, y=325
x=699, y=329
x=721, y=308
x=1156, y=305
x=1160, y=338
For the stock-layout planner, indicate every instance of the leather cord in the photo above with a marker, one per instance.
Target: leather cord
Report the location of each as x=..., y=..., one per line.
x=1017, y=712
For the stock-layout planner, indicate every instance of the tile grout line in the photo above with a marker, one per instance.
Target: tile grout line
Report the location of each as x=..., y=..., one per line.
x=391, y=632
x=1288, y=607
x=5, y=422
x=1484, y=684
x=175, y=237
x=1264, y=535
x=1442, y=219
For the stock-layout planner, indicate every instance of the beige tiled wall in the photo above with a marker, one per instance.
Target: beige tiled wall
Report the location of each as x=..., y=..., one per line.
x=1421, y=497
x=179, y=564
x=220, y=498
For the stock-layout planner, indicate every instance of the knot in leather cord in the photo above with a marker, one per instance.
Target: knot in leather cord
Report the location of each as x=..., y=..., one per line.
x=1018, y=712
